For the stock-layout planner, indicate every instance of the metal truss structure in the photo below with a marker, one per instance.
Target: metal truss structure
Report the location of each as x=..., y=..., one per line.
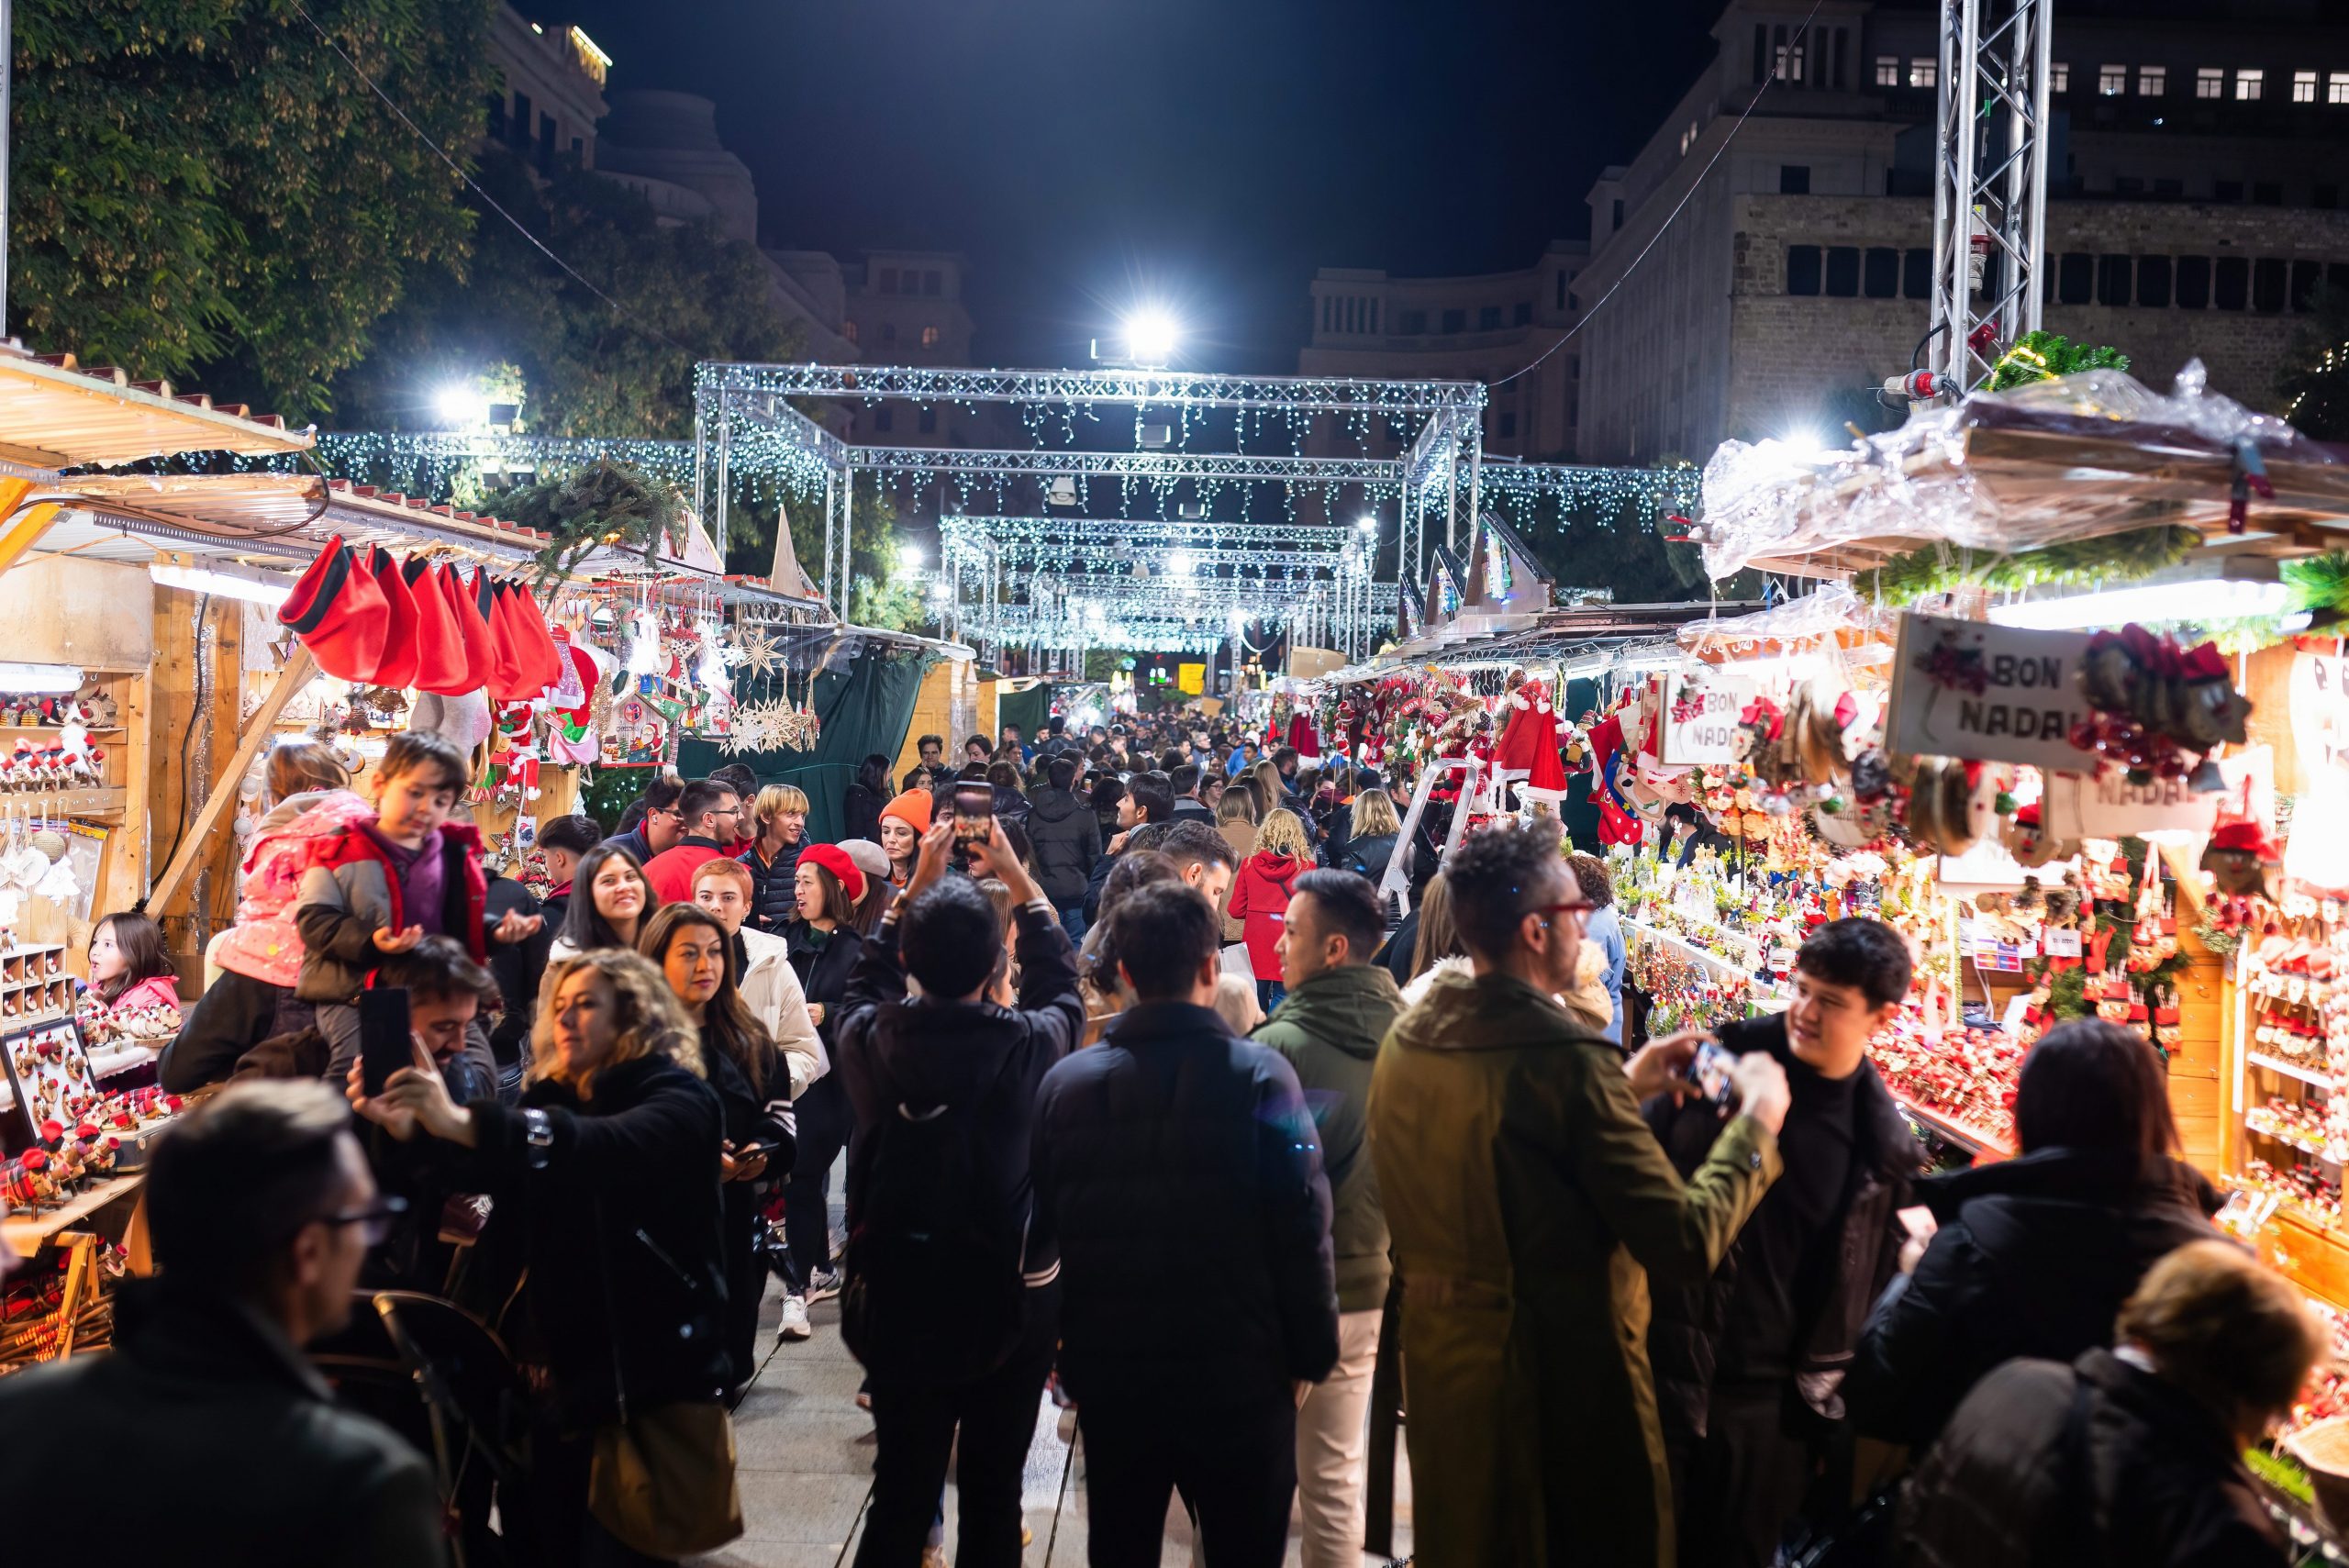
x=1068, y=389
x=1992, y=144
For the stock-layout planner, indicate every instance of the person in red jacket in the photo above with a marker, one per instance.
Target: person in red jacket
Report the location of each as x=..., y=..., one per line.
x=1259, y=895
x=712, y=810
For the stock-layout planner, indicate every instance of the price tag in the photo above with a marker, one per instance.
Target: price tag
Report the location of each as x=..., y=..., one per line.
x=2060, y=941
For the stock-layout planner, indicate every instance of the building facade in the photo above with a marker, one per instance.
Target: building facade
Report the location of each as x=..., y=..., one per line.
x=1486, y=328
x=2197, y=164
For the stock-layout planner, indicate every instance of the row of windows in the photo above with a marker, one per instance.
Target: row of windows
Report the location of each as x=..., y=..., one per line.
x=2269, y=283
x=1363, y=317
x=889, y=333
x=2211, y=81
x=887, y=280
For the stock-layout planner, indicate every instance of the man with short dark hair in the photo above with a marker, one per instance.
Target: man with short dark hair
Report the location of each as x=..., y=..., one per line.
x=1177, y=1168
x=976, y=750
x=563, y=842
x=1011, y=742
x=1142, y=804
x=659, y=825
x=1527, y=1204
x=1285, y=762
x=1747, y=1364
x=261, y=1210
x=1066, y=838
x=1339, y=1007
x=1183, y=780
x=925, y=773
x=712, y=813
x=952, y=1285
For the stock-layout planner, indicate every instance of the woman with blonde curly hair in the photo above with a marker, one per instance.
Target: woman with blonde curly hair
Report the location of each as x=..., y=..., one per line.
x=1259, y=895
x=605, y=1188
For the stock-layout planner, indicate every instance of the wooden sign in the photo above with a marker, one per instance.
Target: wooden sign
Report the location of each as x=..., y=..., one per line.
x=1700, y=711
x=2107, y=806
x=1993, y=694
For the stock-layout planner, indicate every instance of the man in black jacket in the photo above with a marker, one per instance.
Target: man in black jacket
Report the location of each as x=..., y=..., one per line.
x=1144, y=804
x=952, y=1291
x=261, y=1209
x=1747, y=1364
x=1177, y=1168
x=1066, y=838
x=1184, y=780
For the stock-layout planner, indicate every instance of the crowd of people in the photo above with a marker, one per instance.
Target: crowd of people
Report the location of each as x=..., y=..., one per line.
x=1148, y=1098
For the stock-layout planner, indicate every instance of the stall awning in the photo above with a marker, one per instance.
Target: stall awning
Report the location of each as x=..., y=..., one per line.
x=57, y=415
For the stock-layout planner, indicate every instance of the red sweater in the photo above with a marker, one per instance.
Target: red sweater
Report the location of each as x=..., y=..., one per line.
x=670, y=874
x=1259, y=895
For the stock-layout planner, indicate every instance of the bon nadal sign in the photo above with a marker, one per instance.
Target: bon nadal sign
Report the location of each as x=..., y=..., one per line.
x=1701, y=716
x=1985, y=692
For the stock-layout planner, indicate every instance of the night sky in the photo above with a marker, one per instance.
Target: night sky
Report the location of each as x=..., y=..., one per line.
x=1083, y=154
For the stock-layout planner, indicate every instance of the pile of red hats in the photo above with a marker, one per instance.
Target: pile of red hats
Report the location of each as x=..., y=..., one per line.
x=367, y=618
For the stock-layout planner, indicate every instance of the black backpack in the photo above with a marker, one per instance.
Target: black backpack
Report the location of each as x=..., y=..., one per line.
x=934, y=1292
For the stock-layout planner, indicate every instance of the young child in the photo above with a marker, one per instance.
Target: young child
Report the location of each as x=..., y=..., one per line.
x=385, y=884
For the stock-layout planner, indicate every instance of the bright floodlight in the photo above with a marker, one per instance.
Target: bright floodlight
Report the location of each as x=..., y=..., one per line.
x=1368, y=525
x=910, y=557
x=1151, y=336
x=462, y=405
x=1180, y=563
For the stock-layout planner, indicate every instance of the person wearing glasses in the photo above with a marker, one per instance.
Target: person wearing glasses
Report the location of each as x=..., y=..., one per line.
x=261, y=1210
x=1529, y=1206
x=653, y=822
x=712, y=811
x=1749, y=1363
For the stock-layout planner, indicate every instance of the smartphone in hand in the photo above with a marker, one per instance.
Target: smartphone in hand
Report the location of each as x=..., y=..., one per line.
x=386, y=1041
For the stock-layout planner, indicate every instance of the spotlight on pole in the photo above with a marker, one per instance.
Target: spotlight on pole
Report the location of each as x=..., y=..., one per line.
x=461, y=407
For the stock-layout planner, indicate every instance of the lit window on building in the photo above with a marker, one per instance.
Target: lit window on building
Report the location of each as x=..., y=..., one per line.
x=2210, y=82
x=2059, y=78
x=848, y=330
x=2111, y=81
x=1789, y=62
x=2249, y=81
x=929, y=336
x=1923, y=73
x=1888, y=70
x=2336, y=87
x=2304, y=87
x=2153, y=81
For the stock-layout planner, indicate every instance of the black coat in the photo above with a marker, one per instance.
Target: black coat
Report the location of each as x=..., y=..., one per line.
x=861, y=810
x=1685, y=1331
x=1066, y=838
x=775, y=889
x=240, y=1453
x=517, y=967
x=617, y=1220
x=235, y=1014
x=894, y=1053
x=1177, y=1168
x=2149, y=1477
x=2034, y=1257
x=1366, y=857
x=823, y=972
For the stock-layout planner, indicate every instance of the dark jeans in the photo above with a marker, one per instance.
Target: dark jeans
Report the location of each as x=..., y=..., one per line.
x=746, y=1278
x=1269, y=994
x=1072, y=920
x=1235, y=1465
x=825, y=1121
x=914, y=1430
x=1738, y=1487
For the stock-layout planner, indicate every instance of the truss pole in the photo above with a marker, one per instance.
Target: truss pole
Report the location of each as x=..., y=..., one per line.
x=1476, y=483
x=827, y=545
x=1990, y=179
x=725, y=487
x=701, y=448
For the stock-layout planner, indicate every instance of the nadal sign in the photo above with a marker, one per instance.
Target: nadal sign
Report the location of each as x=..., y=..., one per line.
x=1701, y=716
x=1991, y=694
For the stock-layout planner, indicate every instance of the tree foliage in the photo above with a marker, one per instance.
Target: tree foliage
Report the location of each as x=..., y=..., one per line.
x=686, y=294
x=202, y=187
x=2313, y=388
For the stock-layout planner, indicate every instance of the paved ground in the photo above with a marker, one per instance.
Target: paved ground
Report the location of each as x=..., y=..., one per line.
x=805, y=1466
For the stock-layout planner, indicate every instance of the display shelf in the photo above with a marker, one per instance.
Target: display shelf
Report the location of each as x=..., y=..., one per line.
x=32, y=1231
x=2304, y=1145
x=1727, y=968
x=105, y=1060
x=2292, y=1069
x=1984, y=1145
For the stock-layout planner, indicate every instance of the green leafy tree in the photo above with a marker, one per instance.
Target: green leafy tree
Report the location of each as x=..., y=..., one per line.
x=201, y=187
x=685, y=293
x=2312, y=389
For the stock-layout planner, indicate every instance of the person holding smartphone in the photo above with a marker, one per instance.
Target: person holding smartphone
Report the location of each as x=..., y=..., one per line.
x=695, y=954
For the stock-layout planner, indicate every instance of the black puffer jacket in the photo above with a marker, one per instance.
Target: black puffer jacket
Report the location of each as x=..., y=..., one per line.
x=2143, y=1477
x=1686, y=1328
x=1178, y=1170
x=1066, y=837
x=773, y=891
x=2034, y=1258
x=823, y=972
x=618, y=1222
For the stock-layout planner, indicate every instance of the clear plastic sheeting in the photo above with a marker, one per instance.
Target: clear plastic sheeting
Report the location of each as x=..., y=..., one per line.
x=2068, y=458
x=1832, y=612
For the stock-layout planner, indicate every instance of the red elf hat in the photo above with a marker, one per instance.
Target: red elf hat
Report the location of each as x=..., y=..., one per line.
x=506, y=672
x=397, y=667
x=473, y=630
x=338, y=613
x=440, y=646
x=548, y=659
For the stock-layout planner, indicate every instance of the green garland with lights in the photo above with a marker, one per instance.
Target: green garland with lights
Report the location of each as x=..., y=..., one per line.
x=2042, y=356
x=2112, y=558
x=603, y=503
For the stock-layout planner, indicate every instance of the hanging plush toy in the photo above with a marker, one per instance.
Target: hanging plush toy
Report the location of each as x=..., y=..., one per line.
x=1529, y=741
x=2241, y=863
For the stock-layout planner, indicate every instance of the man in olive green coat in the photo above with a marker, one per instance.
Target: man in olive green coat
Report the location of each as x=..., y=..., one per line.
x=1528, y=1202
x=1339, y=1007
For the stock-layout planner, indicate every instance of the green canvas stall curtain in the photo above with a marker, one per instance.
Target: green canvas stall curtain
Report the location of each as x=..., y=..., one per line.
x=866, y=709
x=1028, y=710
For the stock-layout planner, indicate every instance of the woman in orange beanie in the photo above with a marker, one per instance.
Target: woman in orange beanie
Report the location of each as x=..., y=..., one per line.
x=902, y=822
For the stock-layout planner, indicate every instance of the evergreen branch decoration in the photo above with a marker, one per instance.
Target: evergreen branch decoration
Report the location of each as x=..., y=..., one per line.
x=2042, y=356
x=2320, y=583
x=604, y=503
x=2112, y=558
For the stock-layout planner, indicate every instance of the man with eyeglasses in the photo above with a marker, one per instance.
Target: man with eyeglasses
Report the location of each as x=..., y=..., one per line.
x=659, y=827
x=712, y=812
x=261, y=1210
x=1528, y=1205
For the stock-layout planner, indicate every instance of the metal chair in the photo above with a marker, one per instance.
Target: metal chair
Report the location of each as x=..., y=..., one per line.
x=476, y=1405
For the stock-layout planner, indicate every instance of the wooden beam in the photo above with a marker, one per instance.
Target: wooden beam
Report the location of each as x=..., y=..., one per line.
x=25, y=527
x=174, y=876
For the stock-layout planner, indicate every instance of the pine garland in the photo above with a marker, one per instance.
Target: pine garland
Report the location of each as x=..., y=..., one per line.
x=2109, y=558
x=2042, y=356
x=2320, y=583
x=603, y=502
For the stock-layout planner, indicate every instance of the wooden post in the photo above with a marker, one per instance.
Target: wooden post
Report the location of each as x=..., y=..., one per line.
x=169, y=884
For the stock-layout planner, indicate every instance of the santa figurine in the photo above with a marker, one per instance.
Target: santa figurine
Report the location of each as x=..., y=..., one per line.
x=1528, y=744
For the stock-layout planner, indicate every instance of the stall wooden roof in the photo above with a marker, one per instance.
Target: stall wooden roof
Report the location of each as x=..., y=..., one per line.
x=57, y=414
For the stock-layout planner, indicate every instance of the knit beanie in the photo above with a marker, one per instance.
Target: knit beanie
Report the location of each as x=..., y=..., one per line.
x=911, y=808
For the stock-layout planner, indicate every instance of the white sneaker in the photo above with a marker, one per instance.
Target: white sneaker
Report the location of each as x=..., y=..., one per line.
x=822, y=1285
x=795, y=1324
